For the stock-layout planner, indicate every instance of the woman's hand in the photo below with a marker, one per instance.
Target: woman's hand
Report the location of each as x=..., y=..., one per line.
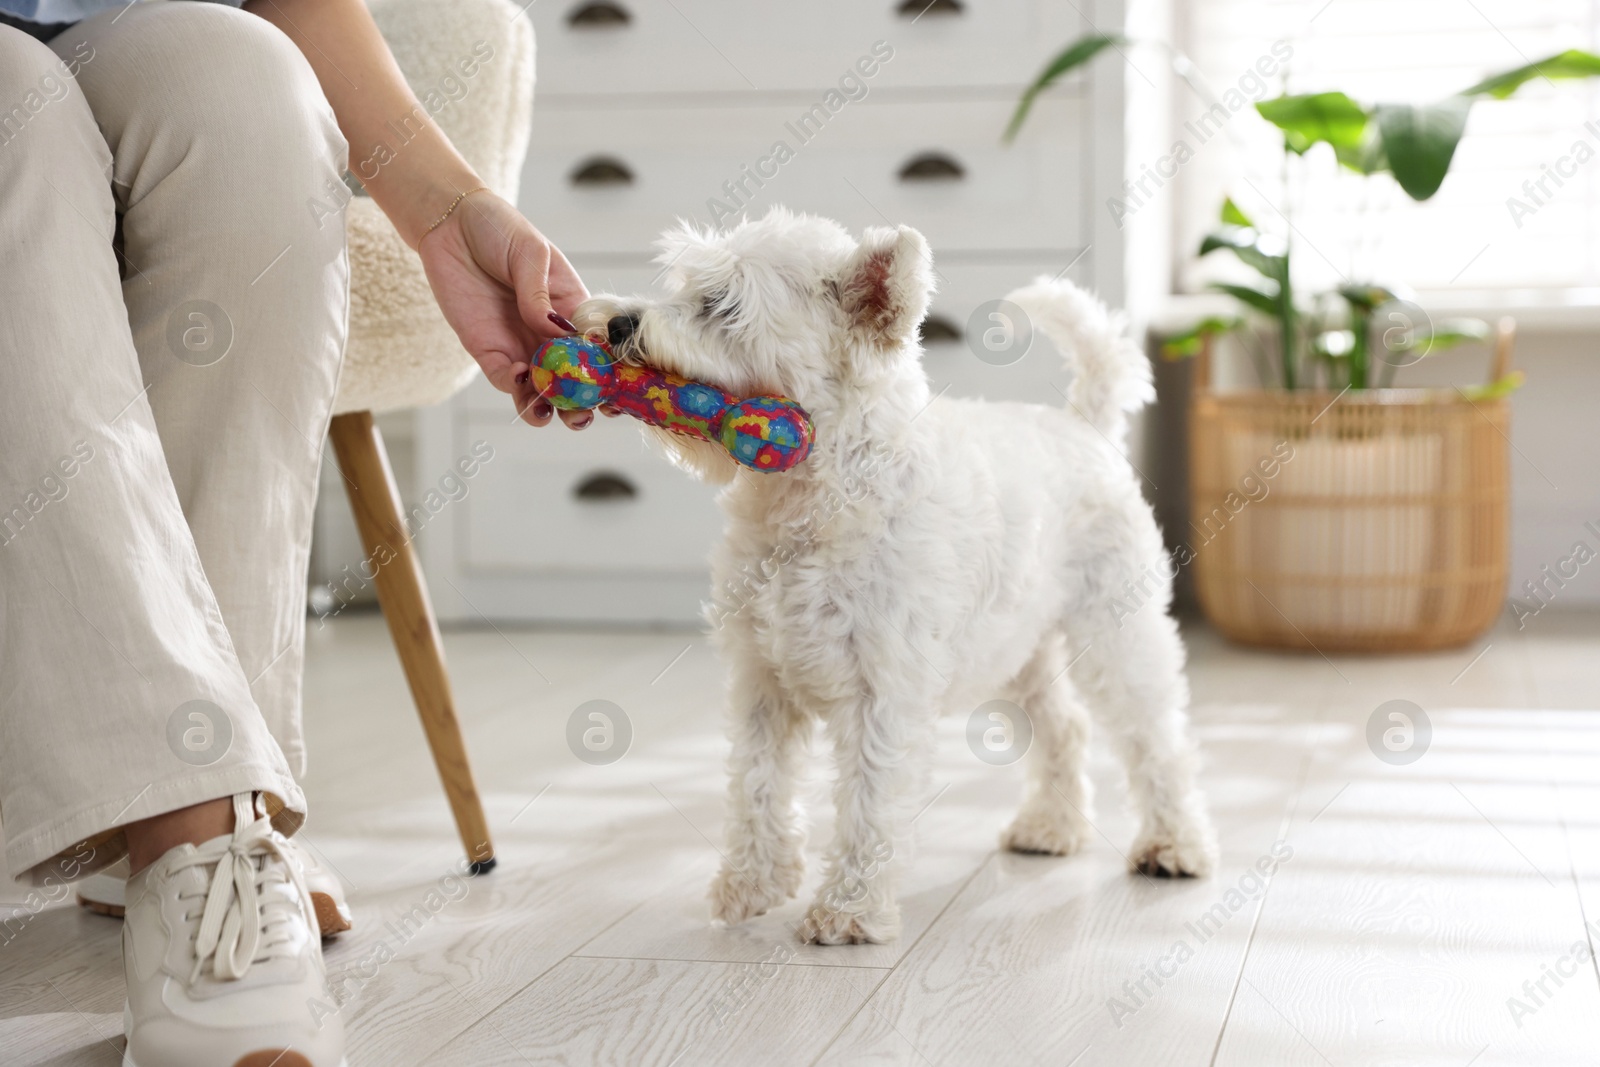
x=504, y=289
x=496, y=278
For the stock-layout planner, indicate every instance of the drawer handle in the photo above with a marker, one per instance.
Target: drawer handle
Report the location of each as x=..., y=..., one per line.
x=605, y=485
x=598, y=15
x=932, y=167
x=938, y=330
x=917, y=8
x=602, y=171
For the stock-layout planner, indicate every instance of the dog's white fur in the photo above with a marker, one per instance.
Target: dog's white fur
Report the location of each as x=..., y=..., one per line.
x=931, y=555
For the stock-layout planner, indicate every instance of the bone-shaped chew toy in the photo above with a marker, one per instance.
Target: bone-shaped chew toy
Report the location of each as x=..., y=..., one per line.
x=764, y=433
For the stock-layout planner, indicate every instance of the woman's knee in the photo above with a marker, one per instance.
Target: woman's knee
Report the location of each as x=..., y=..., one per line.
x=224, y=78
x=34, y=82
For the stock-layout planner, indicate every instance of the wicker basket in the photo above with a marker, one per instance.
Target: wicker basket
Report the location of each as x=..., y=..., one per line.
x=1377, y=521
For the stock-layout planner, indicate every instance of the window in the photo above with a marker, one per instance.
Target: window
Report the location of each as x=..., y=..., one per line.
x=1520, y=209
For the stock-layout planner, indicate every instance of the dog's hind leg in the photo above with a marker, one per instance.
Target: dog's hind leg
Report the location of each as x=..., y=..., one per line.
x=763, y=860
x=1131, y=674
x=1054, y=817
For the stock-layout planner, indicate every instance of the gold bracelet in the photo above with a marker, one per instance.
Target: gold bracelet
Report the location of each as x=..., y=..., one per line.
x=451, y=209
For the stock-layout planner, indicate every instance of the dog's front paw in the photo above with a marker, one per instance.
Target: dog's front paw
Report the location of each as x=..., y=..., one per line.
x=830, y=926
x=1039, y=828
x=1188, y=850
x=737, y=896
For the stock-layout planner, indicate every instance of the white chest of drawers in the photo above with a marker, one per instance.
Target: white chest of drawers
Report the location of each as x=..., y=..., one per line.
x=649, y=111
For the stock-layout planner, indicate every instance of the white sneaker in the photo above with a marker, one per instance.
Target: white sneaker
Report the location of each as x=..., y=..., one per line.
x=223, y=967
x=105, y=893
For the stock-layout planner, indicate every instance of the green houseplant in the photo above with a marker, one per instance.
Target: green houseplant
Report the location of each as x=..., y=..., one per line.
x=1384, y=523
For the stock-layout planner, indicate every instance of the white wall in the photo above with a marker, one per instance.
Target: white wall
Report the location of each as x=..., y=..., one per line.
x=1555, y=461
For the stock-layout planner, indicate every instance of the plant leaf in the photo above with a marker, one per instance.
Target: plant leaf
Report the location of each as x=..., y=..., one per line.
x=1366, y=156
x=1262, y=302
x=1187, y=343
x=1447, y=334
x=1074, y=55
x=1569, y=64
x=1245, y=243
x=1305, y=120
x=1420, y=140
x=1503, y=386
x=1233, y=216
x=1365, y=296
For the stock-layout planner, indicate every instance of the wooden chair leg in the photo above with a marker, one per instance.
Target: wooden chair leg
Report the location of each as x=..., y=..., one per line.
x=404, y=599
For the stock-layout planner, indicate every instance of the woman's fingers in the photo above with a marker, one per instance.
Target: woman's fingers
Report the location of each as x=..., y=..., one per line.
x=536, y=410
x=533, y=408
x=530, y=279
x=536, y=413
x=505, y=289
x=567, y=290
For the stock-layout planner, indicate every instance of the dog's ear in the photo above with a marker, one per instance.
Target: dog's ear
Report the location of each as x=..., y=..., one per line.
x=885, y=286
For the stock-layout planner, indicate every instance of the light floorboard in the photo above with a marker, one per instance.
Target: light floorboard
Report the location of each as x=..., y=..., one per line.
x=1417, y=902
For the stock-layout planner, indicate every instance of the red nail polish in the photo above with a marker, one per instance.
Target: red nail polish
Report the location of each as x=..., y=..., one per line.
x=562, y=322
x=522, y=379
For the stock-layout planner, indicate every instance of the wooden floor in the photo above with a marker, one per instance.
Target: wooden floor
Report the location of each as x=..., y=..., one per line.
x=1417, y=900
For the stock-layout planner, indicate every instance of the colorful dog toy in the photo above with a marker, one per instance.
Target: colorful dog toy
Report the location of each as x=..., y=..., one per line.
x=765, y=433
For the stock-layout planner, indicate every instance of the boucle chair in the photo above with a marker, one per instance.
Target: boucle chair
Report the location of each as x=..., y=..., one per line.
x=402, y=354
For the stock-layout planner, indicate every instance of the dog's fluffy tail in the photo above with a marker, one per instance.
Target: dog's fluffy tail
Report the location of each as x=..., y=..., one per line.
x=1112, y=376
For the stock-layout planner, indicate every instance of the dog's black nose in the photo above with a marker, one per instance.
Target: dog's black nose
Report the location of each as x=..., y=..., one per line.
x=621, y=327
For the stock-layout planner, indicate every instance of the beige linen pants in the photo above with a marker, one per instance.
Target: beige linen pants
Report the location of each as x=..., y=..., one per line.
x=172, y=319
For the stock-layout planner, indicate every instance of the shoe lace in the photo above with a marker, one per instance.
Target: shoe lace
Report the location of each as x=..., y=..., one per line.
x=254, y=909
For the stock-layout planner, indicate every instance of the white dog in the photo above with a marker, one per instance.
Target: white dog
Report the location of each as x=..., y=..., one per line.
x=929, y=556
